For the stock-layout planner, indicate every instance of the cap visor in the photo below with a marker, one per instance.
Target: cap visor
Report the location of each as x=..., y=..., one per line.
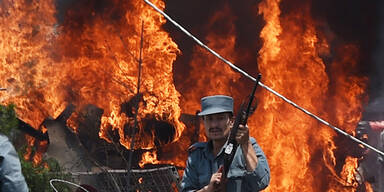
x=213, y=110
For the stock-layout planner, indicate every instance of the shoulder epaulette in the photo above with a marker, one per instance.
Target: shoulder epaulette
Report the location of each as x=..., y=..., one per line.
x=196, y=146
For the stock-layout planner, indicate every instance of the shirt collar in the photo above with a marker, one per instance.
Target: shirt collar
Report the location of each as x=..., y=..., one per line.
x=209, y=147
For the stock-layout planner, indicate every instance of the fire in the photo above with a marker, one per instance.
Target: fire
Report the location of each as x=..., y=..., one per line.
x=117, y=45
x=208, y=75
x=27, y=30
x=140, y=180
x=290, y=63
x=289, y=134
x=90, y=57
x=349, y=171
x=368, y=187
x=148, y=158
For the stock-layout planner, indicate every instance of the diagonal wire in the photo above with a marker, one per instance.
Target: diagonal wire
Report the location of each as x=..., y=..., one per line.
x=261, y=84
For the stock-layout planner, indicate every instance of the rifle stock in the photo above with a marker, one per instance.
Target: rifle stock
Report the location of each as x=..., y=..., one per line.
x=232, y=145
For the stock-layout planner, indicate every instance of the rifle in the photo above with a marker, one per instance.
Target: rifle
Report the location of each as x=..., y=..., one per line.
x=230, y=149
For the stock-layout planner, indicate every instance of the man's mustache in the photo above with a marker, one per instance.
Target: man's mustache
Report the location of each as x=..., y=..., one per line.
x=215, y=129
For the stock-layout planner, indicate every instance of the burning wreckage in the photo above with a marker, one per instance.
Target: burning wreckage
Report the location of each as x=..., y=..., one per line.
x=116, y=133
x=371, y=165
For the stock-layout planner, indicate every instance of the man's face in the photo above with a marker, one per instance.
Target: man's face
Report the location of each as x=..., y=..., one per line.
x=217, y=125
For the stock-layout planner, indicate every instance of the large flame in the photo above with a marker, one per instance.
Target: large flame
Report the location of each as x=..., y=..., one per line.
x=294, y=142
x=300, y=150
x=27, y=31
x=106, y=54
x=91, y=57
x=208, y=74
x=290, y=65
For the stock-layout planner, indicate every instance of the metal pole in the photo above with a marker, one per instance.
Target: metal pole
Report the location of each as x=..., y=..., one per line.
x=261, y=84
x=135, y=127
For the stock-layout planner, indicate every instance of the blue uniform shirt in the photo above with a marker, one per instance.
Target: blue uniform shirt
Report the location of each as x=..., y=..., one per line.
x=201, y=164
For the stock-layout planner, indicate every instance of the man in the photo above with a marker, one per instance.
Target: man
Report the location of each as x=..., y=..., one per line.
x=249, y=170
x=11, y=177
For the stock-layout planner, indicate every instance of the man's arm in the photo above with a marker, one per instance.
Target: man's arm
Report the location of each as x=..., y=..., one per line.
x=11, y=176
x=257, y=168
x=189, y=181
x=258, y=172
x=249, y=156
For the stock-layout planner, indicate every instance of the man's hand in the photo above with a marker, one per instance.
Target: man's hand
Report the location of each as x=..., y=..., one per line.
x=242, y=136
x=214, y=183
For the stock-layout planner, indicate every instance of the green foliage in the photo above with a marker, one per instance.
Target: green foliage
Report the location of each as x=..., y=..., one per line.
x=8, y=120
x=37, y=177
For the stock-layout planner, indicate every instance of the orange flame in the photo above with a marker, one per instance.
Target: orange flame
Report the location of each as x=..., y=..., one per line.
x=27, y=31
x=368, y=187
x=88, y=59
x=292, y=140
x=91, y=58
x=118, y=83
x=148, y=158
x=349, y=171
x=208, y=75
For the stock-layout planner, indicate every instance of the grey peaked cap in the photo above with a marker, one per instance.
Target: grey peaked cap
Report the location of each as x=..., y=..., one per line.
x=216, y=104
